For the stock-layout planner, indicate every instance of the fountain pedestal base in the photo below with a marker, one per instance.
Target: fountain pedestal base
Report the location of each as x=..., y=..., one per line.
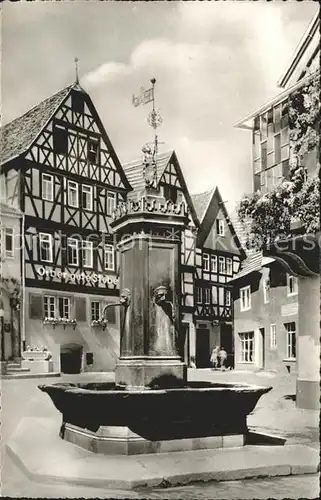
x=116, y=440
x=150, y=373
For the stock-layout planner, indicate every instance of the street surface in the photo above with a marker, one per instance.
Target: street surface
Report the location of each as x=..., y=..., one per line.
x=275, y=413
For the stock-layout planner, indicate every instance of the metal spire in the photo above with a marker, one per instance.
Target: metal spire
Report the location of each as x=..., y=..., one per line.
x=76, y=69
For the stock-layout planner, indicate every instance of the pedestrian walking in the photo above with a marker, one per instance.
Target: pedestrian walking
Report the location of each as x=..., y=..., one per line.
x=223, y=357
x=214, y=357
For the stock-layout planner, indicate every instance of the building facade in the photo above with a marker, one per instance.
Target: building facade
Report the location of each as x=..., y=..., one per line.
x=267, y=289
x=10, y=279
x=60, y=168
x=265, y=316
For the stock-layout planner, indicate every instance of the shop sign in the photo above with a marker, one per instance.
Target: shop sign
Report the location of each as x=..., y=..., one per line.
x=79, y=277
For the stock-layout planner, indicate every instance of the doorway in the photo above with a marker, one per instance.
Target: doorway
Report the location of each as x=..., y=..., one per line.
x=227, y=341
x=261, y=346
x=184, y=343
x=202, y=348
x=70, y=358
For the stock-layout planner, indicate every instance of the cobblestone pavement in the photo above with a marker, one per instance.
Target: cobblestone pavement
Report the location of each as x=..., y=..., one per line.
x=275, y=412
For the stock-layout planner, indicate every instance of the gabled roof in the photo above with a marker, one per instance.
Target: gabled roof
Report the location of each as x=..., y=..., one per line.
x=134, y=174
x=253, y=263
x=201, y=202
x=134, y=169
x=209, y=204
x=18, y=135
x=311, y=38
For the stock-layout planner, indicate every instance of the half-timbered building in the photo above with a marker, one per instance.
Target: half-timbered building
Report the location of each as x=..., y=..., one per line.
x=59, y=167
x=217, y=258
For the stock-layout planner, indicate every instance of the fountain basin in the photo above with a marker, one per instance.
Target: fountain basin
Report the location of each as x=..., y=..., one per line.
x=199, y=410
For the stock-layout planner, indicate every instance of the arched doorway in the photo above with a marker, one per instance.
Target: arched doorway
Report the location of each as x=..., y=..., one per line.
x=70, y=358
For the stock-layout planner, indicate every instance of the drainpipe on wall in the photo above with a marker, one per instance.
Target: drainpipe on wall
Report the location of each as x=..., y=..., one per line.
x=22, y=309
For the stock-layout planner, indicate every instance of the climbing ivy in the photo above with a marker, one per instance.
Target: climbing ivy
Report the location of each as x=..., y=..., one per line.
x=267, y=217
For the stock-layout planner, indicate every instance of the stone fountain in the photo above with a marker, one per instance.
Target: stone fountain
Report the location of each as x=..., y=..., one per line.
x=152, y=407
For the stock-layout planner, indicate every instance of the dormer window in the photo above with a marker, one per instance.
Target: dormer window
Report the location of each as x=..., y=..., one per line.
x=220, y=227
x=92, y=151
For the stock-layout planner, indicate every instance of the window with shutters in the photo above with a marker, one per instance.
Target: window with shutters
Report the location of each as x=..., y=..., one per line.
x=49, y=306
x=64, y=307
x=36, y=306
x=80, y=309
x=96, y=311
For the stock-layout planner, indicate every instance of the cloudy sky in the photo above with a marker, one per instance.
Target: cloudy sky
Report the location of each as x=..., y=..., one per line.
x=214, y=62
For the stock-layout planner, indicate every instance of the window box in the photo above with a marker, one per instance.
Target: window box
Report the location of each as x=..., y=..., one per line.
x=99, y=323
x=60, y=321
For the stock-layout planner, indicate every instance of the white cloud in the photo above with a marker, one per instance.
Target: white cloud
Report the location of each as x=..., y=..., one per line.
x=104, y=73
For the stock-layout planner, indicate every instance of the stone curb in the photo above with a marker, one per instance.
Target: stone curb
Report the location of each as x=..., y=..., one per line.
x=36, y=448
x=10, y=376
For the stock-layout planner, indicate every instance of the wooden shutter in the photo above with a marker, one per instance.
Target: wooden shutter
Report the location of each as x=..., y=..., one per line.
x=111, y=314
x=80, y=309
x=36, y=306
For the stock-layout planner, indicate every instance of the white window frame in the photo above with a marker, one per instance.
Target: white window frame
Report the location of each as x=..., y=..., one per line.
x=87, y=190
x=46, y=237
x=47, y=187
x=8, y=232
x=206, y=262
x=207, y=296
x=266, y=291
x=222, y=265
x=214, y=263
x=289, y=338
x=87, y=246
x=289, y=279
x=92, y=310
x=51, y=305
x=246, y=339
x=109, y=264
x=74, y=244
x=65, y=302
x=111, y=196
x=73, y=187
x=221, y=228
x=273, y=342
x=228, y=297
x=229, y=266
x=245, y=293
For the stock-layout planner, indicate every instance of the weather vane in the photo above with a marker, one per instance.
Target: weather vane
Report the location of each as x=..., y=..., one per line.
x=150, y=149
x=76, y=69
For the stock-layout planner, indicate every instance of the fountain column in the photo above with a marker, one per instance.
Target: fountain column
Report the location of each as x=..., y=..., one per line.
x=149, y=236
